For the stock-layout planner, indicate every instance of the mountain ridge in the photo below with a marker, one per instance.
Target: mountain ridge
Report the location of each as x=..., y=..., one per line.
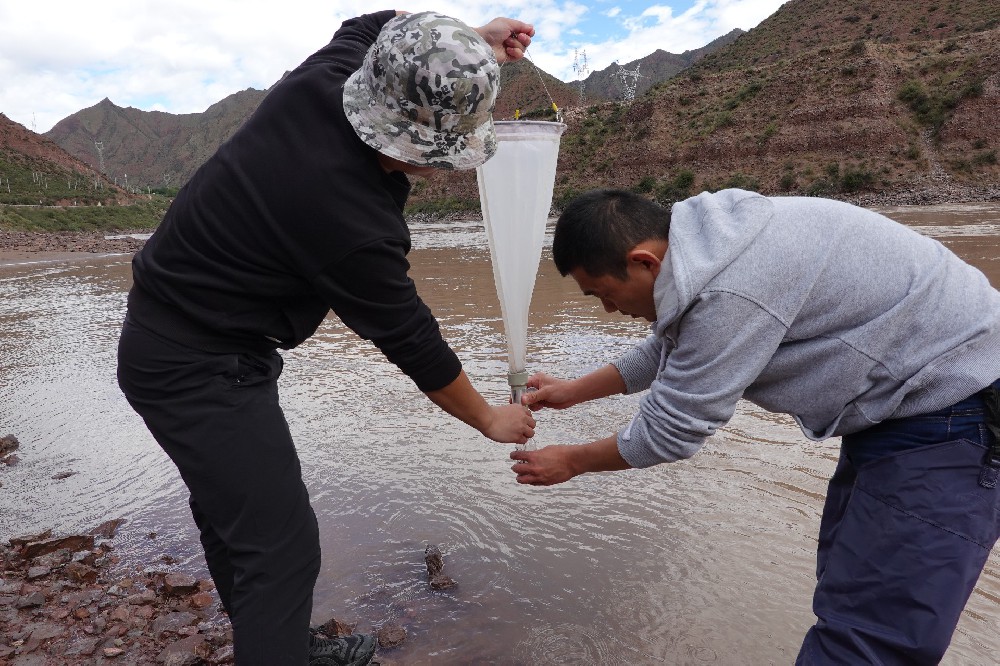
x=843, y=98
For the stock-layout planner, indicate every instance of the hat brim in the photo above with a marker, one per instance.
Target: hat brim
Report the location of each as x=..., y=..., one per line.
x=415, y=143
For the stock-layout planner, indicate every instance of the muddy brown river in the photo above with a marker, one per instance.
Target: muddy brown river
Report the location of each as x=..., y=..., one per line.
x=706, y=561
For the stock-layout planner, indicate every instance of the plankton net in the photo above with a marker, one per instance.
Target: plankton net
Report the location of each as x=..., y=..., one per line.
x=515, y=192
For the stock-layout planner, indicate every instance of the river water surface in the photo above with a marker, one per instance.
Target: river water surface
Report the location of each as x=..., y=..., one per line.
x=706, y=561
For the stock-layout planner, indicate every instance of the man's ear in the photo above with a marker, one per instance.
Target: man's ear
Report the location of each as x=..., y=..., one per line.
x=645, y=257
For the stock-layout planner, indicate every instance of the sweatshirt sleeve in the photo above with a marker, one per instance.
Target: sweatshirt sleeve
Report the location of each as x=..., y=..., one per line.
x=639, y=366
x=372, y=293
x=723, y=343
x=346, y=51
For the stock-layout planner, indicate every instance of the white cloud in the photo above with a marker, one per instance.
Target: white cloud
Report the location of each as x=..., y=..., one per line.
x=181, y=56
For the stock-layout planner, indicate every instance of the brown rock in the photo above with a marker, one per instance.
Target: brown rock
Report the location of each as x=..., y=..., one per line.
x=179, y=584
x=120, y=614
x=335, y=628
x=107, y=529
x=45, y=631
x=83, y=646
x=185, y=652
x=21, y=541
x=434, y=560
x=442, y=582
x=8, y=443
x=81, y=573
x=72, y=543
x=54, y=559
x=145, y=597
x=201, y=600
x=81, y=613
x=111, y=652
x=172, y=622
x=11, y=460
x=390, y=635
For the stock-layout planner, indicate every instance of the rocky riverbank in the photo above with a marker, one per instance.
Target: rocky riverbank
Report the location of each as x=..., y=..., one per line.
x=62, y=602
x=65, y=601
x=32, y=242
x=69, y=600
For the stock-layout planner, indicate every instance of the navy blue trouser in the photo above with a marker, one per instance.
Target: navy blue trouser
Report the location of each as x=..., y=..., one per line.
x=217, y=417
x=911, y=515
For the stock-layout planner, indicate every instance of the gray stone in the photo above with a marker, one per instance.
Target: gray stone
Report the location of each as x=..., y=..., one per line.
x=30, y=600
x=171, y=622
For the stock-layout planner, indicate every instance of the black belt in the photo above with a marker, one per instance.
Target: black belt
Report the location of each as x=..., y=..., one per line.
x=991, y=469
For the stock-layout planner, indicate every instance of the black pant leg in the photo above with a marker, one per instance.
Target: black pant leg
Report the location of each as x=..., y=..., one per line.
x=217, y=416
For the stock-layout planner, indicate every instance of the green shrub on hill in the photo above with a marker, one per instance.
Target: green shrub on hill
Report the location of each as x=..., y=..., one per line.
x=138, y=216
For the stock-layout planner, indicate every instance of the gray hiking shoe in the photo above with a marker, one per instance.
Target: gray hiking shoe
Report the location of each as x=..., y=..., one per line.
x=353, y=650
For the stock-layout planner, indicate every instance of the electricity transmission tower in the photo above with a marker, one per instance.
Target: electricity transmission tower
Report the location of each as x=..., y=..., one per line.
x=629, y=81
x=99, y=146
x=581, y=70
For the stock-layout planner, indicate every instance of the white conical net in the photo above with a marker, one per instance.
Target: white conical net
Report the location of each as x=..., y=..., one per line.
x=515, y=191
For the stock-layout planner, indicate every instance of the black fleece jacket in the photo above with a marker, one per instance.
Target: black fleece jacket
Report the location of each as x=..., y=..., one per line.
x=293, y=217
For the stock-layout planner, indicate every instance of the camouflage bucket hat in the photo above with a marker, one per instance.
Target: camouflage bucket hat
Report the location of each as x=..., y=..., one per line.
x=425, y=93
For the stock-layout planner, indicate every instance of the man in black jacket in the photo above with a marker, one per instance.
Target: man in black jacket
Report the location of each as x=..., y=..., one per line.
x=300, y=212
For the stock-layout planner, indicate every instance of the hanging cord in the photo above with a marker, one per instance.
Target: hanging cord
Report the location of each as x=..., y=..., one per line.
x=555, y=109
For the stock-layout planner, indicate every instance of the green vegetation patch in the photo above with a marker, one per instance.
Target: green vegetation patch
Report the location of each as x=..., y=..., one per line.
x=138, y=216
x=444, y=206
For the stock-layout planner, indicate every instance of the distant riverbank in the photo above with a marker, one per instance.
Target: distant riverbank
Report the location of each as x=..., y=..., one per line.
x=19, y=246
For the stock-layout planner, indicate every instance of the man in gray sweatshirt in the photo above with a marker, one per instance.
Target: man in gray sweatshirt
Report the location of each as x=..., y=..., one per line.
x=853, y=324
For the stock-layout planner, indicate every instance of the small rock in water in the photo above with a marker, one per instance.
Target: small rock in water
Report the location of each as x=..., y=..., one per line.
x=390, y=635
x=7, y=444
x=107, y=529
x=334, y=628
x=62, y=475
x=442, y=582
x=434, y=560
x=435, y=565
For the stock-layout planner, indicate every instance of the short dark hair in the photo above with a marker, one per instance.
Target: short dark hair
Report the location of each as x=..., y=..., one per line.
x=598, y=228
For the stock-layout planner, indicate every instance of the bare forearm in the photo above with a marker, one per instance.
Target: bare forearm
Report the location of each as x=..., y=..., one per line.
x=600, y=383
x=599, y=456
x=462, y=401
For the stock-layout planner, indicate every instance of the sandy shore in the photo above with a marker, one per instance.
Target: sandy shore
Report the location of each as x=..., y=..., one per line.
x=18, y=247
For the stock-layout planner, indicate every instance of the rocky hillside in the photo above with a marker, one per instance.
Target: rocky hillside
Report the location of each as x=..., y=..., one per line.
x=605, y=85
x=856, y=99
x=159, y=149
x=151, y=148
x=870, y=101
x=34, y=170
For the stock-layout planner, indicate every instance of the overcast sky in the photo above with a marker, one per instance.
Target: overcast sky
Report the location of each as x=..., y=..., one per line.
x=181, y=56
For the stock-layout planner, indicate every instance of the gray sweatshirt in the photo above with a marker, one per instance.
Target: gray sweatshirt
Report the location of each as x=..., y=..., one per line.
x=831, y=313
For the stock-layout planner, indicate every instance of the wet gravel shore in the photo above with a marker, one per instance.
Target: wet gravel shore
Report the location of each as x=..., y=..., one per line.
x=23, y=242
